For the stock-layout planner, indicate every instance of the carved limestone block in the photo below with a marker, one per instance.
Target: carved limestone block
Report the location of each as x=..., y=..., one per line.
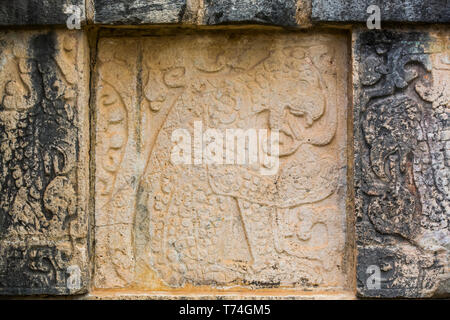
x=44, y=178
x=402, y=163
x=162, y=225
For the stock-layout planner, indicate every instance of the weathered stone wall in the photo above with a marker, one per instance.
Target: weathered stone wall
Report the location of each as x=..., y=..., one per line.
x=92, y=204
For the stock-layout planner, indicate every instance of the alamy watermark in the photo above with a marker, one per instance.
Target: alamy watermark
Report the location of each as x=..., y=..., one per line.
x=74, y=278
x=374, y=20
x=74, y=19
x=256, y=148
x=373, y=281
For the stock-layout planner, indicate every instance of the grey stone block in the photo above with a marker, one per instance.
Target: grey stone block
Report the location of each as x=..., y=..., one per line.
x=37, y=12
x=135, y=12
x=272, y=12
x=431, y=11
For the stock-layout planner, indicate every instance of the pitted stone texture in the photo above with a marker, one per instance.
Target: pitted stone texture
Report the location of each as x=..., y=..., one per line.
x=273, y=12
x=430, y=11
x=43, y=163
x=160, y=225
x=38, y=12
x=139, y=11
x=402, y=163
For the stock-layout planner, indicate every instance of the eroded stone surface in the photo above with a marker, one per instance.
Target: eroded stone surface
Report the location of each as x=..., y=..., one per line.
x=43, y=161
x=402, y=161
x=278, y=12
x=430, y=11
x=38, y=12
x=139, y=11
x=160, y=225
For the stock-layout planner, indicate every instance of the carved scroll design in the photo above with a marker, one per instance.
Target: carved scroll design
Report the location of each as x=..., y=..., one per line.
x=114, y=175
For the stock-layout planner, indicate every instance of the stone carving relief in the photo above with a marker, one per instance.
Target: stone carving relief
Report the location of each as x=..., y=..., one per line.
x=401, y=160
x=43, y=225
x=164, y=225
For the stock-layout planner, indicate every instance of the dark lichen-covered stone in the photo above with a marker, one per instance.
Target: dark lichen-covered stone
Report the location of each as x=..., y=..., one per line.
x=43, y=175
x=272, y=12
x=133, y=12
x=402, y=166
x=430, y=11
x=38, y=12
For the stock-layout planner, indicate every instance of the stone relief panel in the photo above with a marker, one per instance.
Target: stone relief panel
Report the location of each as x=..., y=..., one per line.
x=162, y=225
x=43, y=162
x=402, y=162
